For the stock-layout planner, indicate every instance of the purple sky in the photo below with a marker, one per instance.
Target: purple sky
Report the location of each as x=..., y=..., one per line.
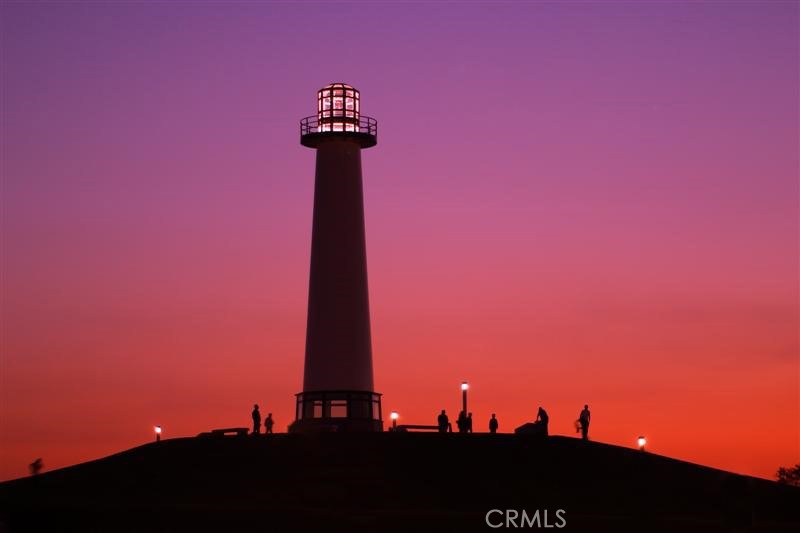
x=577, y=201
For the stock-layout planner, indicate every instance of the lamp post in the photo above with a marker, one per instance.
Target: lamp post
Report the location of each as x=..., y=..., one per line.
x=394, y=416
x=158, y=433
x=641, y=442
x=464, y=388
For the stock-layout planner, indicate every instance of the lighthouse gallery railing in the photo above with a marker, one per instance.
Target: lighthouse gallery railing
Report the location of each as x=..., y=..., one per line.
x=314, y=124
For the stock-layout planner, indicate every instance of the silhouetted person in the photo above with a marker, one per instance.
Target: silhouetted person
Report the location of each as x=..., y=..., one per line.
x=256, y=420
x=493, y=424
x=543, y=420
x=444, y=422
x=268, y=423
x=461, y=422
x=36, y=466
x=468, y=423
x=584, y=420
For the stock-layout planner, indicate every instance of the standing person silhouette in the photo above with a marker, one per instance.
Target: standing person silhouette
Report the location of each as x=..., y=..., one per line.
x=461, y=422
x=256, y=420
x=543, y=419
x=268, y=423
x=493, y=424
x=584, y=420
x=468, y=423
x=443, y=422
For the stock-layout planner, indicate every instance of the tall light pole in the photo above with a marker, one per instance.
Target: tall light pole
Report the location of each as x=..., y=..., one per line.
x=394, y=416
x=158, y=433
x=464, y=388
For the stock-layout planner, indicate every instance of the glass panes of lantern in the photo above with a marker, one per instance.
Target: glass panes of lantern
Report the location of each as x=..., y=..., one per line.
x=338, y=108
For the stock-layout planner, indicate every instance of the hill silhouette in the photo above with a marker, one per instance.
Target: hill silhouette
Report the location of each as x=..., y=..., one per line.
x=391, y=482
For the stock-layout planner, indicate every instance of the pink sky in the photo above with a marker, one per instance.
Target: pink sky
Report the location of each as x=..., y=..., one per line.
x=569, y=203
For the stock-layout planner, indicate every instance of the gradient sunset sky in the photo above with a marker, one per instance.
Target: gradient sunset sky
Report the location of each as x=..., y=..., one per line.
x=569, y=203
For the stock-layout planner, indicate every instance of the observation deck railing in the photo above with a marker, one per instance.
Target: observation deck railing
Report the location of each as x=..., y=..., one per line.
x=314, y=124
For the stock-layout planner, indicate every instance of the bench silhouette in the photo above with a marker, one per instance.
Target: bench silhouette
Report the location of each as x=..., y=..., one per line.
x=406, y=427
x=238, y=432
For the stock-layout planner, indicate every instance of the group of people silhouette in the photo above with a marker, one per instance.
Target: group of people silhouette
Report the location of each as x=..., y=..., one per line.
x=581, y=425
x=464, y=422
x=268, y=422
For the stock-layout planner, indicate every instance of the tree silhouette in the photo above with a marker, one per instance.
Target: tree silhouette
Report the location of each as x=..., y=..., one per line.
x=789, y=475
x=36, y=466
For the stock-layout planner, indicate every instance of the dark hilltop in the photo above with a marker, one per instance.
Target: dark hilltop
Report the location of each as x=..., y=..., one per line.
x=393, y=482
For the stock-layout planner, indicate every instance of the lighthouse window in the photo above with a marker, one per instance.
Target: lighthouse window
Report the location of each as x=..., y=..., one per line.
x=338, y=409
x=312, y=408
x=326, y=106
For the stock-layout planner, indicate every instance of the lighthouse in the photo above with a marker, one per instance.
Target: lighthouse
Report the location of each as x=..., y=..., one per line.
x=338, y=389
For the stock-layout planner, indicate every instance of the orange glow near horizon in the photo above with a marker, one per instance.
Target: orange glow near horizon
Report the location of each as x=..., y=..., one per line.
x=556, y=215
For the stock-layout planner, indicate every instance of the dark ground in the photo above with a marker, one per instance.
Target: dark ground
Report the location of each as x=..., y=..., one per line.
x=390, y=482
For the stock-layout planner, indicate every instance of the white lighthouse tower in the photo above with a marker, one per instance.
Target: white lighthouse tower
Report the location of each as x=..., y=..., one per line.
x=338, y=390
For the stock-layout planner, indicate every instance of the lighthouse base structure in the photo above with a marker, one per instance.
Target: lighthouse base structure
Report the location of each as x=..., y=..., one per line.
x=337, y=411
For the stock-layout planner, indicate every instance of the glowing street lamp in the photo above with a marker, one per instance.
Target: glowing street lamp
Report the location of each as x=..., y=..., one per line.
x=464, y=388
x=394, y=416
x=157, y=429
x=641, y=441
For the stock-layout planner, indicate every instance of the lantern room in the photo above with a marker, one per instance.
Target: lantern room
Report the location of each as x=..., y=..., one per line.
x=338, y=107
x=338, y=116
